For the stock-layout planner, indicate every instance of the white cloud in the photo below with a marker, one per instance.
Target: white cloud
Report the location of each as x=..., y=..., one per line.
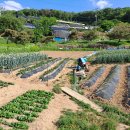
x=11, y=5
x=101, y=4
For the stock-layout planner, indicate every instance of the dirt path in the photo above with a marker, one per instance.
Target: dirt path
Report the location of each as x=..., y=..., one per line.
x=122, y=127
x=50, y=116
x=66, y=54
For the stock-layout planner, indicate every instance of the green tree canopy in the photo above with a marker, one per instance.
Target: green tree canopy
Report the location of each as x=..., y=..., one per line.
x=106, y=25
x=10, y=22
x=121, y=31
x=43, y=26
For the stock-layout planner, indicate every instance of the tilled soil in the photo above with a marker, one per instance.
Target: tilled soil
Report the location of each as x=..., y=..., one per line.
x=67, y=54
x=48, y=117
x=120, y=96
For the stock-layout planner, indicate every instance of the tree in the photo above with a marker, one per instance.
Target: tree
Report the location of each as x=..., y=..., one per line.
x=10, y=22
x=121, y=31
x=15, y=36
x=90, y=35
x=106, y=25
x=43, y=27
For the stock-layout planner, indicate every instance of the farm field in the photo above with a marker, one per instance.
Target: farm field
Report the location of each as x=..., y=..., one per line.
x=41, y=74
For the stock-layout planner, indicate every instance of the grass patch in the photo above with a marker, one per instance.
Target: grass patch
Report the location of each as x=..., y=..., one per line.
x=57, y=89
x=89, y=119
x=114, y=113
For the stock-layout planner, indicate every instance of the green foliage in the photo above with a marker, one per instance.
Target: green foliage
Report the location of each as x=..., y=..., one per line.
x=90, y=35
x=110, y=125
x=121, y=31
x=114, y=113
x=15, y=60
x=43, y=27
x=17, y=37
x=82, y=104
x=115, y=56
x=47, y=39
x=57, y=89
x=10, y=22
x=106, y=25
x=25, y=108
x=5, y=84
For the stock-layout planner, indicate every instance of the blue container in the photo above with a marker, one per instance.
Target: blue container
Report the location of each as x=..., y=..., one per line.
x=58, y=39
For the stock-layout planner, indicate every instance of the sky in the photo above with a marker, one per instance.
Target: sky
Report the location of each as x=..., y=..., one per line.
x=64, y=5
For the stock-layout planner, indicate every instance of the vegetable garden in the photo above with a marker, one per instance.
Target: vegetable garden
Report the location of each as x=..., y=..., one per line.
x=12, y=61
x=107, y=89
x=94, y=77
x=114, y=56
x=27, y=72
x=52, y=73
x=24, y=109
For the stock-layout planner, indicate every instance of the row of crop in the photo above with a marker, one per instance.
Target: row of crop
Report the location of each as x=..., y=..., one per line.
x=12, y=61
x=53, y=72
x=38, y=68
x=128, y=97
x=97, y=74
x=107, y=89
x=24, y=109
x=117, y=56
x=5, y=84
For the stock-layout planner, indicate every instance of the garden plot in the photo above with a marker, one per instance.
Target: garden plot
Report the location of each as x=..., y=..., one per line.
x=107, y=89
x=37, y=68
x=115, y=56
x=13, y=61
x=52, y=73
x=24, y=109
x=97, y=74
x=128, y=100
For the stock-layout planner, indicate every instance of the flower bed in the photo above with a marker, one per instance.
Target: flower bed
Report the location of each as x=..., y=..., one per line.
x=52, y=73
x=107, y=89
x=24, y=109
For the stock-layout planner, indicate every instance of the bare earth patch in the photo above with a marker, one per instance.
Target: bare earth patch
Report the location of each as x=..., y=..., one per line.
x=67, y=54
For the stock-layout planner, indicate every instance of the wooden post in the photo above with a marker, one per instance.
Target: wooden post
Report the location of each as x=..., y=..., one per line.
x=74, y=80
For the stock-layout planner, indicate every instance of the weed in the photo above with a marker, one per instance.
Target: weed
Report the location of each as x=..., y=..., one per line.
x=57, y=89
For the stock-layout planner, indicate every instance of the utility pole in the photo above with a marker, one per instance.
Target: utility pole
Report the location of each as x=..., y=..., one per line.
x=96, y=17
